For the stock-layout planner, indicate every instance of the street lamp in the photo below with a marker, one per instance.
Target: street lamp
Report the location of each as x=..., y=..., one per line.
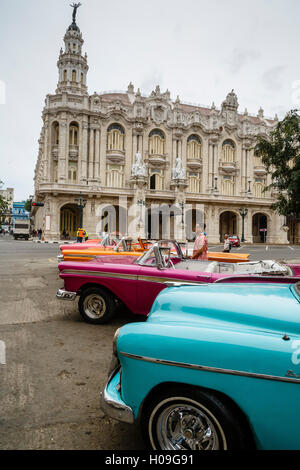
x=81, y=203
x=182, y=212
x=243, y=213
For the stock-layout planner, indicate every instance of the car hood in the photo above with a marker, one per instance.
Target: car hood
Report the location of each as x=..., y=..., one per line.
x=274, y=307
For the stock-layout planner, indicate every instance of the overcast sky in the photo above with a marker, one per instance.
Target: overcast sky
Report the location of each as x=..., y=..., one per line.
x=199, y=50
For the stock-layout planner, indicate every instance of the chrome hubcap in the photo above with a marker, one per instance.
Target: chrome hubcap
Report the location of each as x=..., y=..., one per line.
x=186, y=427
x=94, y=306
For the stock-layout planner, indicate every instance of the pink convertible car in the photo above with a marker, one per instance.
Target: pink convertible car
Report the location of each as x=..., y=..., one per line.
x=102, y=283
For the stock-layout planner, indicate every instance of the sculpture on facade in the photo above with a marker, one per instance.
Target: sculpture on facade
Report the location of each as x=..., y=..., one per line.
x=75, y=7
x=138, y=168
x=178, y=171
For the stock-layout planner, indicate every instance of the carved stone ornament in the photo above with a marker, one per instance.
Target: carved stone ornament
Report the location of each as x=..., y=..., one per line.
x=138, y=168
x=178, y=171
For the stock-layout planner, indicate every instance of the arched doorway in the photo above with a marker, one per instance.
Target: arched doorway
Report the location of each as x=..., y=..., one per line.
x=69, y=220
x=259, y=228
x=113, y=219
x=228, y=224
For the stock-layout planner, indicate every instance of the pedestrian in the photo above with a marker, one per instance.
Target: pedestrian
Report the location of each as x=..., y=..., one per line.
x=64, y=234
x=80, y=235
x=40, y=232
x=201, y=244
x=227, y=244
x=86, y=237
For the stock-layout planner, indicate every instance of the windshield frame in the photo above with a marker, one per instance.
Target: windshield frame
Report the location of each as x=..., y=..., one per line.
x=156, y=251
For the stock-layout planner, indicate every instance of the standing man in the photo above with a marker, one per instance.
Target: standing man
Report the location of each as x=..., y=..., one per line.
x=80, y=235
x=200, y=245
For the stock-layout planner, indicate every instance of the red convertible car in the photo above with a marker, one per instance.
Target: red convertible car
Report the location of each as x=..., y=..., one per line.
x=105, y=281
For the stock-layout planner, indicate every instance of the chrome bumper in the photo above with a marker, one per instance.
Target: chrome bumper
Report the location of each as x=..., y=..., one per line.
x=60, y=258
x=111, y=402
x=63, y=294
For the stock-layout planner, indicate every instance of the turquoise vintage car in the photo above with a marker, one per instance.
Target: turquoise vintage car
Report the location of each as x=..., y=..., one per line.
x=213, y=367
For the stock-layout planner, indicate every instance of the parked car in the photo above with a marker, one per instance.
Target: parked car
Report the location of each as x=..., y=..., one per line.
x=111, y=246
x=234, y=240
x=107, y=240
x=124, y=246
x=213, y=367
x=108, y=280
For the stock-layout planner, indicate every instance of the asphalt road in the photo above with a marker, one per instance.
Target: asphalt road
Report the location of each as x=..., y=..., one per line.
x=56, y=364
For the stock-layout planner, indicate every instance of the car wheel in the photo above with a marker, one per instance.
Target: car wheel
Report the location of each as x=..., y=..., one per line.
x=191, y=419
x=96, y=305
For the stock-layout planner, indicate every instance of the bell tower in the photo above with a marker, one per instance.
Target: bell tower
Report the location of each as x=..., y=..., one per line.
x=72, y=65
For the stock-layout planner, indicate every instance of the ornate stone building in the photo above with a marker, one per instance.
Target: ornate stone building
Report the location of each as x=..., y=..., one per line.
x=129, y=150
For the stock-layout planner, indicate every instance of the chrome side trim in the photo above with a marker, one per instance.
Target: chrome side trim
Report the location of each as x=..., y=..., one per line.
x=133, y=277
x=211, y=369
x=161, y=280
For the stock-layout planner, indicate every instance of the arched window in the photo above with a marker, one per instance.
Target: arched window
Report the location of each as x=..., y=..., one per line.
x=194, y=147
x=157, y=142
x=73, y=134
x=65, y=75
x=82, y=78
x=156, y=179
x=74, y=76
x=228, y=151
x=258, y=188
x=194, y=182
x=114, y=176
x=72, y=173
x=115, y=138
x=227, y=186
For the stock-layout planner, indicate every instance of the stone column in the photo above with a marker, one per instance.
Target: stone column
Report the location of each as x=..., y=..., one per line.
x=250, y=175
x=210, y=166
x=247, y=227
x=91, y=156
x=243, y=171
x=84, y=152
x=47, y=153
x=63, y=152
x=204, y=176
x=103, y=156
x=97, y=156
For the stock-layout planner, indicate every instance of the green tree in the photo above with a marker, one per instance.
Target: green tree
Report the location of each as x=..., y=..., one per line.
x=28, y=205
x=281, y=156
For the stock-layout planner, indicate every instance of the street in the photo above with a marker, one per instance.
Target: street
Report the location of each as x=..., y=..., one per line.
x=56, y=364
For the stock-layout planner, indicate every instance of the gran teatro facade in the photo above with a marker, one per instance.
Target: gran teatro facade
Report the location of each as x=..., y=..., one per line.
x=126, y=153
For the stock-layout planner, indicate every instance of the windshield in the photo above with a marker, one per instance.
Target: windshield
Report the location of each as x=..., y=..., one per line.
x=160, y=254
